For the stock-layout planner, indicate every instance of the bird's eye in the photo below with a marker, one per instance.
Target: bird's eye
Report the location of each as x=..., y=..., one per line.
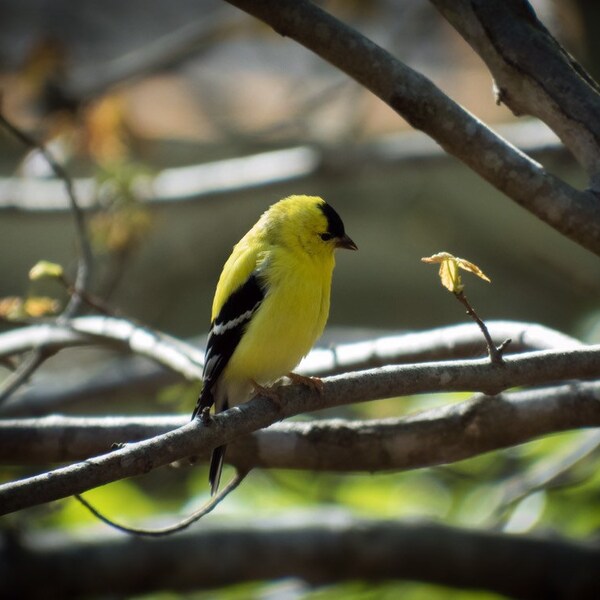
x=326, y=236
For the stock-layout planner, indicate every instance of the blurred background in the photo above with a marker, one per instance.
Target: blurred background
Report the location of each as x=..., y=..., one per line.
x=182, y=121
x=148, y=104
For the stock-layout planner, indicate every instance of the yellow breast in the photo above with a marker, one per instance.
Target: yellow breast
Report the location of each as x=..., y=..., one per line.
x=289, y=321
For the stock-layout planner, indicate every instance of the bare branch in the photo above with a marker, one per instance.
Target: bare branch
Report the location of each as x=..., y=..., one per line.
x=196, y=437
x=318, y=548
x=456, y=341
x=442, y=343
x=534, y=74
x=431, y=437
x=120, y=333
x=178, y=527
x=575, y=214
x=23, y=372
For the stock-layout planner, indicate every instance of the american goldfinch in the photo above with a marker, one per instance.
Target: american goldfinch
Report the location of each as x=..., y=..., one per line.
x=271, y=304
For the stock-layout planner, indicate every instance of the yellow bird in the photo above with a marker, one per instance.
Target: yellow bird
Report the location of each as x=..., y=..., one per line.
x=271, y=304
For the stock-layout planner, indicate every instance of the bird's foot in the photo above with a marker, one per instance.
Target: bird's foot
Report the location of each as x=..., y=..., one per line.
x=314, y=383
x=271, y=393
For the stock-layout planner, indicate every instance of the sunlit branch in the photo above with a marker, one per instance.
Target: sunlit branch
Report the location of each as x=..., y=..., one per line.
x=430, y=437
x=533, y=368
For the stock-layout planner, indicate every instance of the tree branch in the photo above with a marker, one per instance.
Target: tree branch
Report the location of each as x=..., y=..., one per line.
x=120, y=333
x=428, y=438
x=456, y=341
x=196, y=437
x=320, y=549
x=574, y=213
x=533, y=73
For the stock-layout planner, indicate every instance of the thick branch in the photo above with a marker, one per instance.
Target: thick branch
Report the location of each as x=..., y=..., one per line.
x=431, y=437
x=533, y=73
x=318, y=548
x=196, y=437
x=575, y=214
x=457, y=341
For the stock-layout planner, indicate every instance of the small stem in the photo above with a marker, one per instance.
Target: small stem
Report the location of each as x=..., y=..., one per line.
x=177, y=527
x=24, y=371
x=91, y=300
x=84, y=265
x=494, y=352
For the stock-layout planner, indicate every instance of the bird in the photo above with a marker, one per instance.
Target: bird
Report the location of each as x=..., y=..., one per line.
x=270, y=306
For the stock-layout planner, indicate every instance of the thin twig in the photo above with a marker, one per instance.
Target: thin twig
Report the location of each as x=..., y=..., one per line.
x=84, y=265
x=177, y=527
x=494, y=352
x=24, y=371
x=91, y=300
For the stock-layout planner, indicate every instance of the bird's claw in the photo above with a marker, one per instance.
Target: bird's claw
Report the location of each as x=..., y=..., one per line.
x=314, y=383
x=271, y=393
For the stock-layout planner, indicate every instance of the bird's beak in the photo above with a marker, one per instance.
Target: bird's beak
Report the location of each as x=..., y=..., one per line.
x=345, y=242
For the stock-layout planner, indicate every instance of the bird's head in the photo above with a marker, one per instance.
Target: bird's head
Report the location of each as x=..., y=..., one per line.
x=309, y=224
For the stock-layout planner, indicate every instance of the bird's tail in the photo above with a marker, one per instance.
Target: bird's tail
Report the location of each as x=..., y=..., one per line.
x=205, y=400
x=216, y=467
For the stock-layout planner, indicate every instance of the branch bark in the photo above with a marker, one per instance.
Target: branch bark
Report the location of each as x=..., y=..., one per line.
x=574, y=213
x=318, y=548
x=111, y=331
x=196, y=437
x=533, y=73
x=457, y=341
x=428, y=438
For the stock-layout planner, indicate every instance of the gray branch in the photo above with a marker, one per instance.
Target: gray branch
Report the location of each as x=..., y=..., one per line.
x=431, y=437
x=133, y=372
x=318, y=548
x=109, y=331
x=533, y=368
x=574, y=213
x=534, y=75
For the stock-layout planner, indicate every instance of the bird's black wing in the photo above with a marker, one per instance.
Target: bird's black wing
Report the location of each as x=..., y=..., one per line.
x=226, y=332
